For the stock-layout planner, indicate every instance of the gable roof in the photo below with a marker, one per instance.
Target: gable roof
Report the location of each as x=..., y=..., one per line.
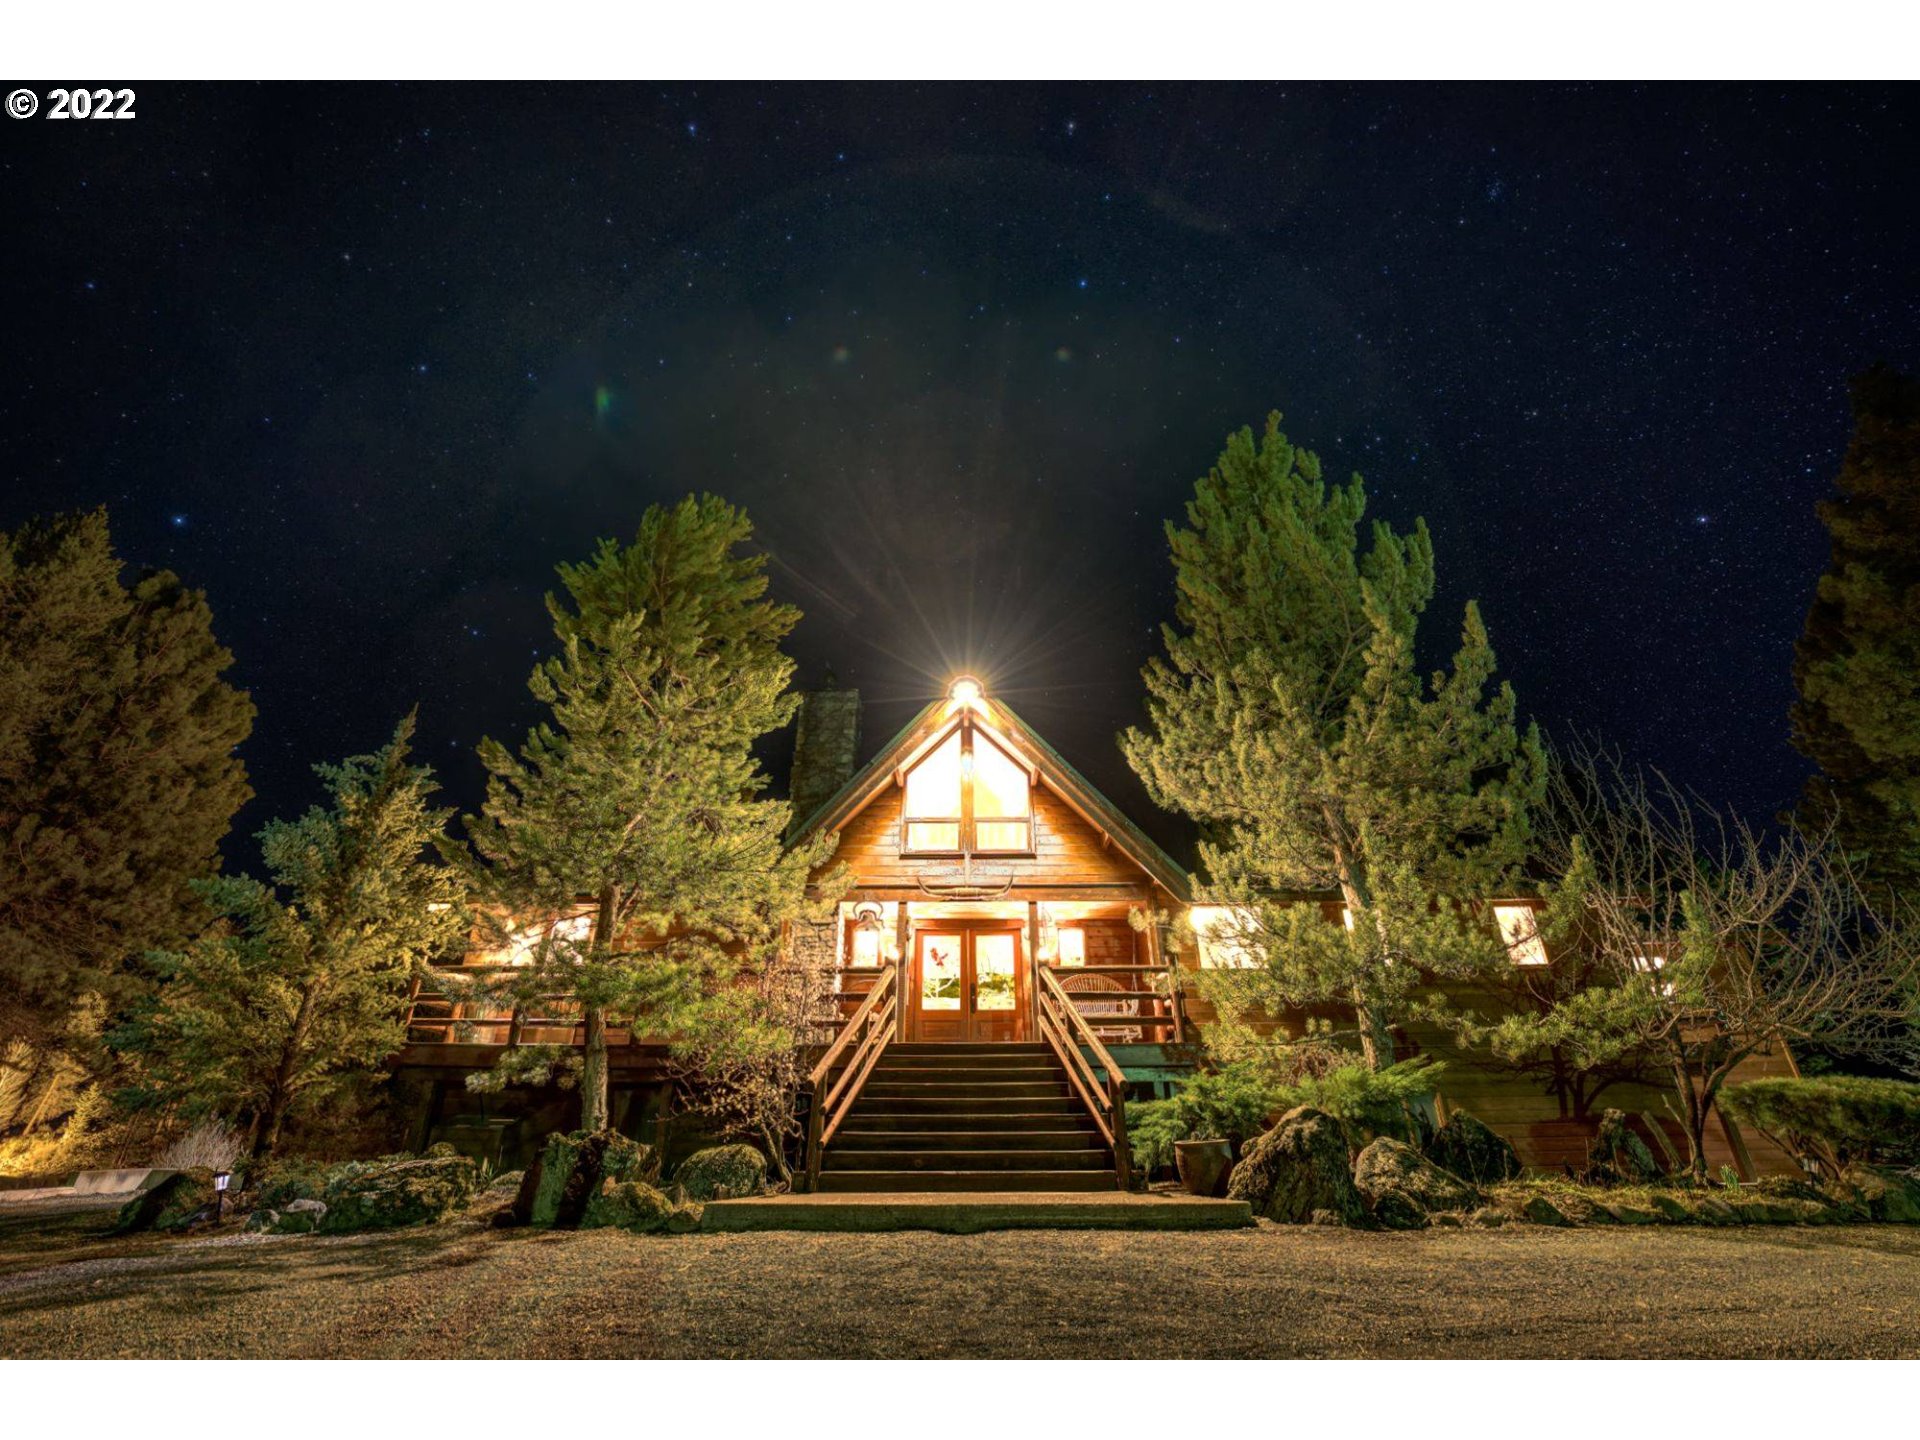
x=872, y=779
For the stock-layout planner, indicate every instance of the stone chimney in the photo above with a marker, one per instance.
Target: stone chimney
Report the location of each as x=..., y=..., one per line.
x=826, y=742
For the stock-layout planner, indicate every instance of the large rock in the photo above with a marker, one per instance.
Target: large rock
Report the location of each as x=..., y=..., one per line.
x=1465, y=1147
x=405, y=1192
x=301, y=1217
x=1298, y=1167
x=724, y=1172
x=1395, y=1177
x=1617, y=1152
x=170, y=1204
x=569, y=1171
x=627, y=1205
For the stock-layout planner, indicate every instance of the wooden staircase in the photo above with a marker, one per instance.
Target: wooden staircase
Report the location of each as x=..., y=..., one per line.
x=972, y=1117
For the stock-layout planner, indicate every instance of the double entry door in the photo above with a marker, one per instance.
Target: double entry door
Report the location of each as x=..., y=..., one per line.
x=969, y=982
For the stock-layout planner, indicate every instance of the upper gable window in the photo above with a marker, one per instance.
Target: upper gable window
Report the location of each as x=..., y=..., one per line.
x=967, y=796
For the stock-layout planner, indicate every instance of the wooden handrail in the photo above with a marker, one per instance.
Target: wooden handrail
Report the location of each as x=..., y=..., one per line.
x=1069, y=1035
x=862, y=1041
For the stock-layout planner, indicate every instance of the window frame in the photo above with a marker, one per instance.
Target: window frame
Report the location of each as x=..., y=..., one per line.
x=965, y=823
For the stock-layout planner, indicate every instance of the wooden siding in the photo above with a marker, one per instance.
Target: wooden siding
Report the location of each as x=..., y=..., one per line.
x=1067, y=850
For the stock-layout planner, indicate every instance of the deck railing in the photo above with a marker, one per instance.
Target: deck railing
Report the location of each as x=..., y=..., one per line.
x=854, y=1052
x=1070, y=1036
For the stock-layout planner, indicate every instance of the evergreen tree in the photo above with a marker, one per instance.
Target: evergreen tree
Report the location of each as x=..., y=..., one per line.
x=628, y=831
x=118, y=777
x=302, y=991
x=1288, y=719
x=1857, y=664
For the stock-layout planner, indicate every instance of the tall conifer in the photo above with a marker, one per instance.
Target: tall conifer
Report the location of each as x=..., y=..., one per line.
x=1289, y=720
x=1857, y=663
x=636, y=803
x=118, y=777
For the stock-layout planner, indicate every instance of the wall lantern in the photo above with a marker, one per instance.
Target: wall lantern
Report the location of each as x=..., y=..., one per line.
x=869, y=935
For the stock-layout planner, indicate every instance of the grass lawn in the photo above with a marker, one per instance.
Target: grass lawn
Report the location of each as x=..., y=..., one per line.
x=459, y=1290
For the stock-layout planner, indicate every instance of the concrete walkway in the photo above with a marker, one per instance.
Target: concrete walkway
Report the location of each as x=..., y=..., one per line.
x=968, y=1214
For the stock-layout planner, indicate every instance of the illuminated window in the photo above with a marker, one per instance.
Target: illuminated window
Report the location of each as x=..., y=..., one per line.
x=1073, y=945
x=1652, y=965
x=1520, y=931
x=570, y=936
x=1227, y=937
x=967, y=794
x=1001, y=803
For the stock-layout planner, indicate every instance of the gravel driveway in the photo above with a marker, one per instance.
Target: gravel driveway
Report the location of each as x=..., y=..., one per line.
x=1270, y=1291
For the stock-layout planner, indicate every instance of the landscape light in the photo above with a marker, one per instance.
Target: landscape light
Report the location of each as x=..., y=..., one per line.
x=965, y=690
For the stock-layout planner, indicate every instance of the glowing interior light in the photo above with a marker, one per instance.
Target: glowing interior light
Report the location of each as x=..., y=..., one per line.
x=964, y=691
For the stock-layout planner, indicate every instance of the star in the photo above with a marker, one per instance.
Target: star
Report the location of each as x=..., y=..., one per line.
x=177, y=520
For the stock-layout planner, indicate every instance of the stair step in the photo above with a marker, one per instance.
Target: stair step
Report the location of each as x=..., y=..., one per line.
x=972, y=1139
x=880, y=1181
x=969, y=1047
x=915, y=1068
x=961, y=1115
x=990, y=1091
x=948, y=1161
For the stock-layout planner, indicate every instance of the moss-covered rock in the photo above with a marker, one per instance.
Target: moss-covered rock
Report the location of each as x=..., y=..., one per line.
x=1618, y=1153
x=684, y=1219
x=1626, y=1214
x=1396, y=1210
x=301, y=1217
x=407, y=1192
x=171, y=1203
x=627, y=1205
x=1487, y=1217
x=570, y=1170
x=1542, y=1211
x=1298, y=1167
x=278, y=1182
x=1389, y=1167
x=723, y=1172
x=1465, y=1147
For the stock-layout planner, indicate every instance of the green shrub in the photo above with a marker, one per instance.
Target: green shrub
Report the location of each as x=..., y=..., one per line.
x=1834, y=1120
x=1231, y=1103
x=1374, y=1102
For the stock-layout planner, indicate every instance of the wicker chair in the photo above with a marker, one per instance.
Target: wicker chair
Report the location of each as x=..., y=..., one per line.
x=1125, y=1004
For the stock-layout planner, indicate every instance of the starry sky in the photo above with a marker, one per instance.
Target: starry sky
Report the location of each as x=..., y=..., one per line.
x=366, y=362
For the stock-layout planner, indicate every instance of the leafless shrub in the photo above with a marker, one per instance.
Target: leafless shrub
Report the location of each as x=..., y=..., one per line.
x=209, y=1145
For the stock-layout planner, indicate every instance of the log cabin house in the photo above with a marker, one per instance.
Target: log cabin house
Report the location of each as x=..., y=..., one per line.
x=1005, y=976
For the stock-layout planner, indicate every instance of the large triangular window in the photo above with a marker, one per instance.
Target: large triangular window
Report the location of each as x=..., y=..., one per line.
x=967, y=795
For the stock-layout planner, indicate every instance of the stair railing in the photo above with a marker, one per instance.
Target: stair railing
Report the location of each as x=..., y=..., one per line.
x=1068, y=1034
x=855, y=1050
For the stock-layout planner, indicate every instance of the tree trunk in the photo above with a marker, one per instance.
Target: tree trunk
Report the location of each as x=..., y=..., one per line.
x=593, y=1072
x=273, y=1114
x=1695, y=1120
x=1375, y=1027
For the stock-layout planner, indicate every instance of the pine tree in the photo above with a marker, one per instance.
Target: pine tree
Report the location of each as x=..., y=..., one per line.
x=636, y=803
x=118, y=777
x=1857, y=664
x=302, y=991
x=1289, y=720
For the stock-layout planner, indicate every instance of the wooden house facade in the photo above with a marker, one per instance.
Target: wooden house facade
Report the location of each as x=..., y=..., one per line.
x=1005, y=977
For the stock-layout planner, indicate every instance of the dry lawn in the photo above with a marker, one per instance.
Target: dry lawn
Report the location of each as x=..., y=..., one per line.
x=1274, y=1291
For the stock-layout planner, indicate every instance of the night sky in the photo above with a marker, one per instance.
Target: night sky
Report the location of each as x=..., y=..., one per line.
x=366, y=362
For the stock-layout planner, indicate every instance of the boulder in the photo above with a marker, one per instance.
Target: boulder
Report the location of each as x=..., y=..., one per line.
x=1465, y=1147
x=1298, y=1167
x=301, y=1217
x=684, y=1219
x=172, y=1204
x=1396, y=1210
x=1447, y=1219
x=1389, y=1167
x=1487, y=1217
x=406, y=1192
x=1626, y=1214
x=627, y=1205
x=1542, y=1211
x=1670, y=1209
x=1617, y=1151
x=569, y=1173
x=263, y=1219
x=724, y=1172
x=1710, y=1210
